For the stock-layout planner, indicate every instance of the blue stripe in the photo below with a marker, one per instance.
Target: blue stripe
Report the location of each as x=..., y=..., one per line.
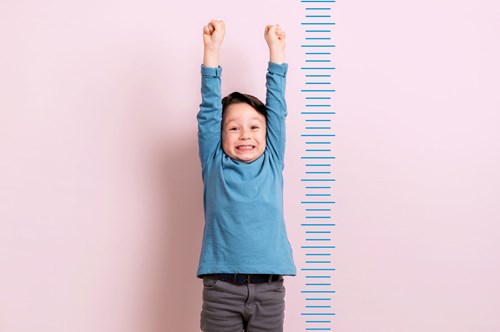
x=318, y=38
x=319, y=247
x=318, y=150
x=318, y=172
x=317, y=23
x=318, y=217
x=318, y=142
x=317, y=232
x=309, y=45
x=326, y=83
x=319, y=165
x=307, y=180
x=318, y=127
x=317, y=202
x=318, y=277
x=318, y=194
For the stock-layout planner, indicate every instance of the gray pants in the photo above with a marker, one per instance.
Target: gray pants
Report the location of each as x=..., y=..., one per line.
x=237, y=308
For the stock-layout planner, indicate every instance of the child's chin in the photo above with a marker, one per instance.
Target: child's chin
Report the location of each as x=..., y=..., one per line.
x=247, y=159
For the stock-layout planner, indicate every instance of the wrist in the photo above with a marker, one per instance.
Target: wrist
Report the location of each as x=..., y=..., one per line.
x=211, y=57
x=277, y=56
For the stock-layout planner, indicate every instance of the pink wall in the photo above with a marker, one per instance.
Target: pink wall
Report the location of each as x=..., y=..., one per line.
x=100, y=195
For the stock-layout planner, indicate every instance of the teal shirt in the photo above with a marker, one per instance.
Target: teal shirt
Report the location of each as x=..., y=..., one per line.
x=244, y=224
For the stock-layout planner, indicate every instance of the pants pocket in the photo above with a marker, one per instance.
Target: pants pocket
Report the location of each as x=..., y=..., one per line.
x=279, y=286
x=209, y=282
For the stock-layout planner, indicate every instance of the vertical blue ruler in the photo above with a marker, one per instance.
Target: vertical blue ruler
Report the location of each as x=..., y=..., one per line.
x=318, y=156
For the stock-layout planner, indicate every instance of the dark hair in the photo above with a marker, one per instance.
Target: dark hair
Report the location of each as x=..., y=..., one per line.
x=237, y=97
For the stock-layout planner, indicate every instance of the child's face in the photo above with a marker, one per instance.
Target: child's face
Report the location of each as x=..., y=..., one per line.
x=243, y=132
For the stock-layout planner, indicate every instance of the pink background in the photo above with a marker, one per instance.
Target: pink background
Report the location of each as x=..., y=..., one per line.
x=100, y=187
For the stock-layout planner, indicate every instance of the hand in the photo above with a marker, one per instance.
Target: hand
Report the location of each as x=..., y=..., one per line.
x=213, y=34
x=275, y=38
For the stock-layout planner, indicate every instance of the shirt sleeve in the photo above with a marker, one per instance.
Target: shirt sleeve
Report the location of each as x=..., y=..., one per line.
x=210, y=115
x=276, y=108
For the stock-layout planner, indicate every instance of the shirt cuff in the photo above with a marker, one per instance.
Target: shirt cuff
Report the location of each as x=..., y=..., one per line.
x=279, y=69
x=211, y=71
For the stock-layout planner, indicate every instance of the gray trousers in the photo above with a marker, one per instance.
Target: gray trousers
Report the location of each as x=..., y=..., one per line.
x=237, y=308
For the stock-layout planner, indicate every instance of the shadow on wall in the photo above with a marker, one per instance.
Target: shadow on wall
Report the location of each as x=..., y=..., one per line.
x=174, y=296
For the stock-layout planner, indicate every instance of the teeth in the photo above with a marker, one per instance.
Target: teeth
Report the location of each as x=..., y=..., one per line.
x=245, y=147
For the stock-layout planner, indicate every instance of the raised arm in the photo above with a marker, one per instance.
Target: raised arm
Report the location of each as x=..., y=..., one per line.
x=210, y=114
x=275, y=96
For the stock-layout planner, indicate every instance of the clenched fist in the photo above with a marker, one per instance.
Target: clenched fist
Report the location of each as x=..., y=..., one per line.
x=275, y=38
x=213, y=34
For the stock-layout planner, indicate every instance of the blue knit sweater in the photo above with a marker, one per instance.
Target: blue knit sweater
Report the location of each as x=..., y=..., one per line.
x=244, y=224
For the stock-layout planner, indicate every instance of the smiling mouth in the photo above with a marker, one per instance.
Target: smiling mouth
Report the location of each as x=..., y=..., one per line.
x=245, y=147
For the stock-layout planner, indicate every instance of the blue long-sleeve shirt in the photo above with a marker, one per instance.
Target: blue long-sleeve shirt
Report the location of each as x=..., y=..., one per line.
x=244, y=223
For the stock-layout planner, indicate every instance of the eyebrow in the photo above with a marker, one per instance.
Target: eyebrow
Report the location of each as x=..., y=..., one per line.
x=252, y=119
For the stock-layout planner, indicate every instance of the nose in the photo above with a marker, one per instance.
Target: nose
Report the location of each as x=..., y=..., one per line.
x=244, y=134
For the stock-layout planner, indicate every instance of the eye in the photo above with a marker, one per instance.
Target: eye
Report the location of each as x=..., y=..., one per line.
x=255, y=127
x=233, y=129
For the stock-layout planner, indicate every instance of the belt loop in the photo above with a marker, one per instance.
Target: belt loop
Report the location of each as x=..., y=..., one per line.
x=248, y=278
x=270, y=279
x=234, y=278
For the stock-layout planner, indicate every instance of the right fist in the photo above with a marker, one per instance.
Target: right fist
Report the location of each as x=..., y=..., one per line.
x=213, y=34
x=275, y=37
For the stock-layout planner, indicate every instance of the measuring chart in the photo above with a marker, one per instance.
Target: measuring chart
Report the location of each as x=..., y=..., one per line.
x=318, y=155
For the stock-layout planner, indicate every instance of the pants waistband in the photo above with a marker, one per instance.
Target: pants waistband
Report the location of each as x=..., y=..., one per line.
x=242, y=279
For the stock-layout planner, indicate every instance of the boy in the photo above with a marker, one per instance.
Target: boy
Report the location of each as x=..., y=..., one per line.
x=245, y=250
